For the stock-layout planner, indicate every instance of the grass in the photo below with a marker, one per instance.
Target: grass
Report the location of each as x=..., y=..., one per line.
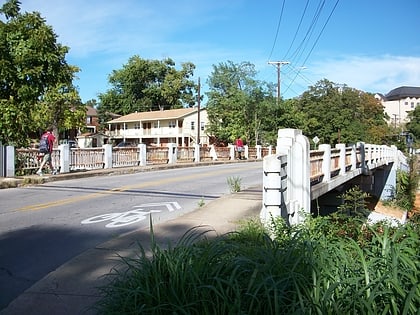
x=234, y=183
x=320, y=267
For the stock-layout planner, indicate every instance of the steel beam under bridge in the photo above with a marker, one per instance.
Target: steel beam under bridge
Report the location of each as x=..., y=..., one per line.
x=295, y=175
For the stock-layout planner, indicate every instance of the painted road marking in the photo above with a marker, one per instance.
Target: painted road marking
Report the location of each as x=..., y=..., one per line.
x=119, y=219
x=117, y=190
x=171, y=206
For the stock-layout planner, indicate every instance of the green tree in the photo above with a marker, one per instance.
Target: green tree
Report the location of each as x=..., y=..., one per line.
x=240, y=105
x=144, y=85
x=33, y=72
x=413, y=125
x=340, y=114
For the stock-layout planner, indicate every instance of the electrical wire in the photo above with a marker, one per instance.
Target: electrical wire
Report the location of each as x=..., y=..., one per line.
x=278, y=29
x=297, y=30
x=316, y=40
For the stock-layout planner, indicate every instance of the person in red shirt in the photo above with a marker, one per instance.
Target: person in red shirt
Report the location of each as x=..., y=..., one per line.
x=46, y=157
x=239, y=145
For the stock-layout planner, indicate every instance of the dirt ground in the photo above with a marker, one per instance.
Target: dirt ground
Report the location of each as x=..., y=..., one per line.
x=416, y=208
x=396, y=212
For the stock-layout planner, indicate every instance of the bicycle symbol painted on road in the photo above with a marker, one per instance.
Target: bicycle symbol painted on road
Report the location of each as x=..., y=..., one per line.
x=119, y=219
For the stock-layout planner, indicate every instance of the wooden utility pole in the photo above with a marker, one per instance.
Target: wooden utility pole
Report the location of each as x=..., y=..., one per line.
x=278, y=65
x=198, y=113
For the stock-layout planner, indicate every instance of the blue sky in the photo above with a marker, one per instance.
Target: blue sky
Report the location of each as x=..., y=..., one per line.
x=371, y=45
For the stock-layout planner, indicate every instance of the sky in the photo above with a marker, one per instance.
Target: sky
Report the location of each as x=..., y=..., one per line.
x=370, y=45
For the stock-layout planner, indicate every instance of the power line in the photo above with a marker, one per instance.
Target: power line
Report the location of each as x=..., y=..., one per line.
x=322, y=30
x=277, y=32
x=317, y=39
x=297, y=30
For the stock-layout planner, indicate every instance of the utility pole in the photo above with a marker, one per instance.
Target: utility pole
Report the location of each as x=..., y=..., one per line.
x=198, y=114
x=278, y=65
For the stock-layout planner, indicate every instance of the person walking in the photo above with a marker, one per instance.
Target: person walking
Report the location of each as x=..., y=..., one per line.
x=46, y=145
x=239, y=144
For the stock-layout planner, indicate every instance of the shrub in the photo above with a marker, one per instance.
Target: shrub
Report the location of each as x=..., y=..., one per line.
x=322, y=266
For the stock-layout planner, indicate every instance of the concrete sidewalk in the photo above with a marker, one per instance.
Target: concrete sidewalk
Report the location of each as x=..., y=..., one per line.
x=73, y=287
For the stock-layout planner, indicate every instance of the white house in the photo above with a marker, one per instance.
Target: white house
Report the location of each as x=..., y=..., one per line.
x=181, y=126
x=399, y=102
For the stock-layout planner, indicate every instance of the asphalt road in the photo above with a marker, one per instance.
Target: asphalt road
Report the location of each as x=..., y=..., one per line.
x=43, y=226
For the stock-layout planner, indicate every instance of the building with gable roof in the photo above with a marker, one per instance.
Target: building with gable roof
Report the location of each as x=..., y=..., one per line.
x=181, y=126
x=399, y=102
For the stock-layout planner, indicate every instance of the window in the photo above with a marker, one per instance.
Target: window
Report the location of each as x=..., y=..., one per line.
x=412, y=104
x=193, y=125
x=137, y=125
x=172, y=124
x=202, y=125
x=155, y=125
x=88, y=120
x=406, y=103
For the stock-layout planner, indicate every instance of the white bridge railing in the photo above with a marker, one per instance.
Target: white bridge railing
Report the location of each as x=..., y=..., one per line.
x=27, y=161
x=295, y=175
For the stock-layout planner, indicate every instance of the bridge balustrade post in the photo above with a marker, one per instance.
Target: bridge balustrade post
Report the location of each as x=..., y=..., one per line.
x=64, y=158
x=326, y=162
x=342, y=157
x=292, y=143
x=10, y=161
x=107, y=155
x=213, y=153
x=246, y=152
x=196, y=153
x=374, y=153
x=232, y=152
x=142, y=154
x=363, y=158
x=368, y=148
x=274, y=188
x=259, y=152
x=353, y=157
x=172, y=153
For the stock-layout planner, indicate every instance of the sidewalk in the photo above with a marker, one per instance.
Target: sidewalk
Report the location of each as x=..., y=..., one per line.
x=73, y=287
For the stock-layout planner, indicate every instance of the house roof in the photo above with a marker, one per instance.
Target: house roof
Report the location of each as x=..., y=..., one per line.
x=91, y=111
x=155, y=115
x=403, y=92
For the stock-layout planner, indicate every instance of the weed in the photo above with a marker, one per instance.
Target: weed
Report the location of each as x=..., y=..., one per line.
x=201, y=203
x=234, y=183
x=321, y=266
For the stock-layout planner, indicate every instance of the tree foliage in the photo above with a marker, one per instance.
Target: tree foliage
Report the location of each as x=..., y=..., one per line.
x=34, y=76
x=340, y=114
x=239, y=105
x=145, y=85
x=413, y=126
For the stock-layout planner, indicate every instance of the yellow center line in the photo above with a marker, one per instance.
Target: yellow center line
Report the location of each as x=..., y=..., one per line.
x=117, y=190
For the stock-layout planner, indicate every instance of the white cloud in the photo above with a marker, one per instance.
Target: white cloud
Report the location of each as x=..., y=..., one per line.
x=372, y=74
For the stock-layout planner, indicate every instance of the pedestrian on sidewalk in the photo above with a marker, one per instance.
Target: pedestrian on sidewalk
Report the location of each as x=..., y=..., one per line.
x=239, y=145
x=46, y=145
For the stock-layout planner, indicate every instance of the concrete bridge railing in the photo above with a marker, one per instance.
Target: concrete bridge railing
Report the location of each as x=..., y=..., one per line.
x=295, y=175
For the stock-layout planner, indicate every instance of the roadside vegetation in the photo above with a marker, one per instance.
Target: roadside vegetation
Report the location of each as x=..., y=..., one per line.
x=336, y=264
x=328, y=265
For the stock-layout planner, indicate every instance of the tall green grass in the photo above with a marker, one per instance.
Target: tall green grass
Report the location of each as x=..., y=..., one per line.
x=324, y=266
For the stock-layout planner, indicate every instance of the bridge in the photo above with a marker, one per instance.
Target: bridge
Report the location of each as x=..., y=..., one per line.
x=295, y=176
